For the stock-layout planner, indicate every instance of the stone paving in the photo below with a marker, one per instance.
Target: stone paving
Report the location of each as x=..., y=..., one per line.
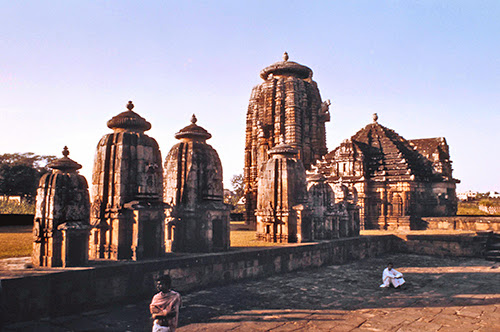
x=442, y=294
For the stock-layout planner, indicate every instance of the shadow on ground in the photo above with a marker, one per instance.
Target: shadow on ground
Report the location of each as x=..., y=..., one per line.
x=431, y=282
x=440, y=292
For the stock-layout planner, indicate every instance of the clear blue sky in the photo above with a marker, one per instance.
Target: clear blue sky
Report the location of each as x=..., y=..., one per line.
x=428, y=68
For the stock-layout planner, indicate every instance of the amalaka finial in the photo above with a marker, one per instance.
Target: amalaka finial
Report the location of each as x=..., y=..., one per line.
x=130, y=106
x=285, y=56
x=375, y=117
x=65, y=152
x=194, y=119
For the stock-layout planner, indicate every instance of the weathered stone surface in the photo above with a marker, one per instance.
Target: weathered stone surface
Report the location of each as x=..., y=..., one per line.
x=198, y=220
x=392, y=179
x=61, y=224
x=127, y=189
x=286, y=105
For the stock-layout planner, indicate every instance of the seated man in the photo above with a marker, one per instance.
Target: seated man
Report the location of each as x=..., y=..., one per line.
x=392, y=277
x=165, y=306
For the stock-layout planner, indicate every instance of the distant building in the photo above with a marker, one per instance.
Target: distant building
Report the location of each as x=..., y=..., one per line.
x=494, y=194
x=13, y=198
x=467, y=196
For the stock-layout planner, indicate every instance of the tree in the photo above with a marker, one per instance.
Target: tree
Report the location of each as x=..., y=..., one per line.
x=238, y=185
x=232, y=197
x=20, y=173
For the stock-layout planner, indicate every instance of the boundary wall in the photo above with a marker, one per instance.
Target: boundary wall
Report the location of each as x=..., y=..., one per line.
x=36, y=293
x=463, y=223
x=46, y=292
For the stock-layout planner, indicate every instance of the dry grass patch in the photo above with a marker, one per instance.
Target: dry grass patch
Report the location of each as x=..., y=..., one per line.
x=247, y=239
x=16, y=241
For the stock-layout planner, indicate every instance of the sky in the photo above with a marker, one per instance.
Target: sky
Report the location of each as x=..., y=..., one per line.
x=427, y=68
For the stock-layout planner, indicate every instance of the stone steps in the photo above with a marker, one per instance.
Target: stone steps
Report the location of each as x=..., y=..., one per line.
x=492, y=247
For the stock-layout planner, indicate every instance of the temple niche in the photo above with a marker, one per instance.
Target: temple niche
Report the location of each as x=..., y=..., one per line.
x=198, y=219
x=127, y=209
x=394, y=181
x=61, y=225
x=286, y=105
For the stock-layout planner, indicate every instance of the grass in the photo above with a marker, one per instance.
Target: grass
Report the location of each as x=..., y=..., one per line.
x=471, y=209
x=16, y=241
x=13, y=207
x=247, y=239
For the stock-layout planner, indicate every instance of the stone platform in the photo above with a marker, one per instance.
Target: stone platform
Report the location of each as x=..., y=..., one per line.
x=442, y=294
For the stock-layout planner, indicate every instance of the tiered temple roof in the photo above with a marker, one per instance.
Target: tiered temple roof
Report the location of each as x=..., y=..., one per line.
x=387, y=156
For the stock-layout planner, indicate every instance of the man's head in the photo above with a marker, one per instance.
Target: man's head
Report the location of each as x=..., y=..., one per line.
x=390, y=266
x=163, y=283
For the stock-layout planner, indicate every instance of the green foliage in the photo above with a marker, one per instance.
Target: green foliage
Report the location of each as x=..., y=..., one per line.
x=13, y=207
x=20, y=172
x=232, y=197
x=238, y=185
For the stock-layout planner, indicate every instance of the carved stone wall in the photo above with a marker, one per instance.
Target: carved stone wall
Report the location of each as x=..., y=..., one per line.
x=198, y=219
x=61, y=224
x=288, y=106
x=127, y=170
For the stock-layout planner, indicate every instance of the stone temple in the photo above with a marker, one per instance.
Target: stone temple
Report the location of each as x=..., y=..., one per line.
x=197, y=219
x=375, y=180
x=127, y=209
x=288, y=106
x=396, y=181
x=285, y=136
x=61, y=225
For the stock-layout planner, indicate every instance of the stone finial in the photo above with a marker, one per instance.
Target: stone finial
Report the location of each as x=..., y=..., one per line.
x=65, y=164
x=65, y=152
x=129, y=120
x=285, y=56
x=375, y=117
x=193, y=131
x=130, y=106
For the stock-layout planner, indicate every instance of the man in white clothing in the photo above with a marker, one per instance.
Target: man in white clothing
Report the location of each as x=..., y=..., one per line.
x=392, y=277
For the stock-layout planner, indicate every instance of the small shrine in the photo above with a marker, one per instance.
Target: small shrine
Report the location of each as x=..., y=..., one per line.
x=282, y=211
x=198, y=218
x=61, y=224
x=127, y=209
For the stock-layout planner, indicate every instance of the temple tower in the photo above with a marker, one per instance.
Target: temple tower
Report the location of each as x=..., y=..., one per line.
x=198, y=220
x=282, y=212
x=127, y=210
x=61, y=224
x=287, y=104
